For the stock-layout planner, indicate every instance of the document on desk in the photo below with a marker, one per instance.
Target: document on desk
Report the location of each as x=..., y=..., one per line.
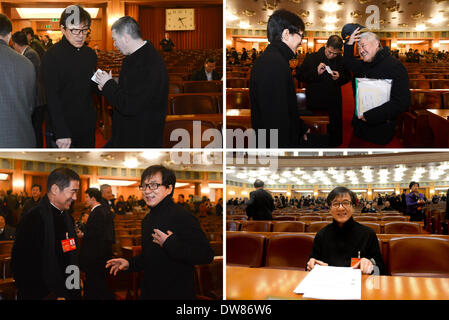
x=332, y=283
x=371, y=93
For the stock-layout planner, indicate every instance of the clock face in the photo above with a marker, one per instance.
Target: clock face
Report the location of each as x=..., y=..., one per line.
x=179, y=19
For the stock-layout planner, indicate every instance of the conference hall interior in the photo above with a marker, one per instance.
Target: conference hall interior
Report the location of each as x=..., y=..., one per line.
x=199, y=189
x=416, y=31
x=266, y=259
x=196, y=37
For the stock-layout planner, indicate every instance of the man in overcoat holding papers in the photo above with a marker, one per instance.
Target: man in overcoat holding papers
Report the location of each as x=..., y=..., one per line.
x=376, y=127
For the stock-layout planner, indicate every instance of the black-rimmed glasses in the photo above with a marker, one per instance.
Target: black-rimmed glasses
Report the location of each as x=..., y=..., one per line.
x=77, y=32
x=344, y=203
x=152, y=186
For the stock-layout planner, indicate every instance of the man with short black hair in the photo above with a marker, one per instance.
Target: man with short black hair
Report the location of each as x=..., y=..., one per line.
x=67, y=68
x=18, y=85
x=34, y=200
x=44, y=257
x=175, y=246
x=272, y=90
x=207, y=72
x=323, y=89
x=344, y=238
x=140, y=98
x=97, y=248
x=33, y=41
x=167, y=43
x=261, y=204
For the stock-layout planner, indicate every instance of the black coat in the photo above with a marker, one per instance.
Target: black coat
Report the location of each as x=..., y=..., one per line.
x=273, y=96
x=67, y=73
x=139, y=100
x=324, y=93
x=260, y=205
x=380, y=123
x=97, y=241
x=111, y=209
x=8, y=233
x=37, y=261
x=200, y=75
x=169, y=270
x=336, y=245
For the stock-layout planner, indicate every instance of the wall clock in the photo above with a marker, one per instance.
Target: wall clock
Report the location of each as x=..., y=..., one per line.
x=179, y=19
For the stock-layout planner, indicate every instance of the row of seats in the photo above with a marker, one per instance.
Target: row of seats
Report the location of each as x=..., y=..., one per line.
x=195, y=86
x=403, y=256
x=317, y=217
x=429, y=84
x=394, y=227
x=195, y=103
x=428, y=75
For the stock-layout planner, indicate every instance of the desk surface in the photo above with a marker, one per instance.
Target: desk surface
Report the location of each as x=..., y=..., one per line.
x=443, y=113
x=260, y=283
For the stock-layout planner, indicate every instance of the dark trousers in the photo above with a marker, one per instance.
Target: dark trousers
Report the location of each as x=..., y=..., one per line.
x=95, y=286
x=37, y=119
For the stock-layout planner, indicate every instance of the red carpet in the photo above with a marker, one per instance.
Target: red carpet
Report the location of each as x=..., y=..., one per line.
x=348, y=111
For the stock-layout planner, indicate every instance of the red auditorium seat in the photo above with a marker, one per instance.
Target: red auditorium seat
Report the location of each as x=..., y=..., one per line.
x=232, y=225
x=289, y=251
x=237, y=99
x=402, y=227
x=289, y=226
x=237, y=83
x=202, y=86
x=257, y=226
x=175, y=87
x=193, y=104
x=317, y=226
x=245, y=249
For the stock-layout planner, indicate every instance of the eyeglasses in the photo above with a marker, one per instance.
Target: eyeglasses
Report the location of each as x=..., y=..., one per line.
x=333, y=53
x=151, y=185
x=301, y=35
x=77, y=32
x=344, y=203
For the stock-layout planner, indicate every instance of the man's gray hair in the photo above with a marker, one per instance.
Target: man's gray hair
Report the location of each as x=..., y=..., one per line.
x=370, y=36
x=127, y=25
x=103, y=187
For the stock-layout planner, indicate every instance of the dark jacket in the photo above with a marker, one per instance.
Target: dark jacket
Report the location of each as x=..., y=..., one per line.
x=28, y=205
x=67, y=73
x=167, y=45
x=111, y=209
x=380, y=123
x=200, y=75
x=169, y=270
x=97, y=240
x=260, y=205
x=38, y=47
x=38, y=262
x=273, y=96
x=33, y=56
x=336, y=245
x=8, y=233
x=139, y=100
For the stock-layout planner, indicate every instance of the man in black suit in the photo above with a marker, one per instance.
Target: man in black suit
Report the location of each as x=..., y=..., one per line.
x=20, y=44
x=44, y=258
x=96, y=248
x=140, y=98
x=107, y=200
x=33, y=201
x=260, y=204
x=6, y=232
x=207, y=73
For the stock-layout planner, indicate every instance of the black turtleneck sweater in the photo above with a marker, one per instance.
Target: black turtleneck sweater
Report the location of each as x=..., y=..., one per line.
x=273, y=96
x=336, y=245
x=169, y=270
x=66, y=73
x=380, y=123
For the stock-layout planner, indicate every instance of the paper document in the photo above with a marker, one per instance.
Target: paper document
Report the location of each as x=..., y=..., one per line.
x=329, y=70
x=332, y=283
x=371, y=93
x=95, y=74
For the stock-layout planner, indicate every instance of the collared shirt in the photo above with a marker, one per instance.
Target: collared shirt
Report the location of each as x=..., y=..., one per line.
x=209, y=76
x=95, y=207
x=61, y=211
x=23, y=51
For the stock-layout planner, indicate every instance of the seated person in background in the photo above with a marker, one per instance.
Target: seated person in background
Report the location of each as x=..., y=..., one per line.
x=6, y=232
x=387, y=206
x=344, y=238
x=120, y=205
x=374, y=207
x=207, y=72
x=368, y=209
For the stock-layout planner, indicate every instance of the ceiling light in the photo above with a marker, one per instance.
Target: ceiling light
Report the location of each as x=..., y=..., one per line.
x=244, y=25
x=230, y=16
x=330, y=19
x=181, y=184
x=437, y=19
x=3, y=176
x=151, y=155
x=253, y=39
x=420, y=27
x=330, y=7
x=131, y=163
x=215, y=185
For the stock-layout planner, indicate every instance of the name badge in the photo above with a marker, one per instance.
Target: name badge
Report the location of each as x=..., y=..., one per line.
x=68, y=245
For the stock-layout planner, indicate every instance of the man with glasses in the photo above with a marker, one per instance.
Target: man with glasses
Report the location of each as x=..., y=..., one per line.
x=46, y=243
x=67, y=68
x=172, y=242
x=272, y=90
x=344, y=239
x=376, y=127
x=323, y=88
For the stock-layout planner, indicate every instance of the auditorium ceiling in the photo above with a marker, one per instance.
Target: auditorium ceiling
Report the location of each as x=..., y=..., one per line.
x=331, y=15
x=179, y=161
x=351, y=169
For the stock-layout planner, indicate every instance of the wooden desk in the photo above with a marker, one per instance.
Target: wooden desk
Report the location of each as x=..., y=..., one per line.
x=242, y=117
x=260, y=283
x=215, y=118
x=438, y=121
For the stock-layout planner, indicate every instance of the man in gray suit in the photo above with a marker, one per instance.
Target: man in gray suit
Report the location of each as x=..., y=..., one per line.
x=20, y=44
x=17, y=93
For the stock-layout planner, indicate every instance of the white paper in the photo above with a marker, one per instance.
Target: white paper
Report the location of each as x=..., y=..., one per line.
x=332, y=283
x=329, y=70
x=95, y=74
x=371, y=93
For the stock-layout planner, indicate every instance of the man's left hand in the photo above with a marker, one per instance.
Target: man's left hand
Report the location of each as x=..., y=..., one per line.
x=102, y=78
x=362, y=118
x=365, y=265
x=159, y=237
x=335, y=75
